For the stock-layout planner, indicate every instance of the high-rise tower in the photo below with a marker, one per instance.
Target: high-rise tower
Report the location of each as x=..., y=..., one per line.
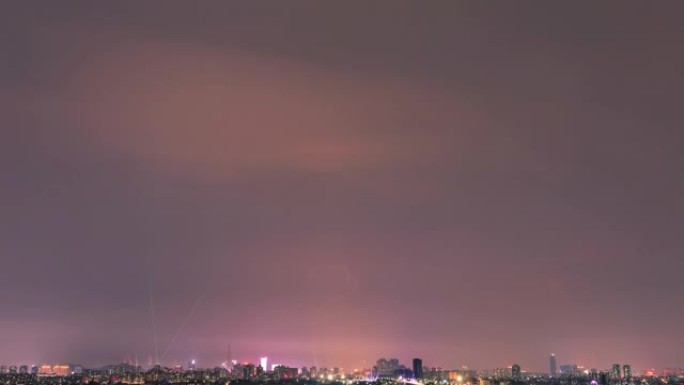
x=417, y=368
x=615, y=372
x=552, y=365
x=516, y=373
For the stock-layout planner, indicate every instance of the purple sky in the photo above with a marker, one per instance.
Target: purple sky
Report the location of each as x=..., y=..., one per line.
x=330, y=183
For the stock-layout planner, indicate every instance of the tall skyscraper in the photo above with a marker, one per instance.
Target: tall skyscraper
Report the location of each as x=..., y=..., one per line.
x=627, y=372
x=264, y=363
x=552, y=365
x=615, y=373
x=417, y=368
x=516, y=372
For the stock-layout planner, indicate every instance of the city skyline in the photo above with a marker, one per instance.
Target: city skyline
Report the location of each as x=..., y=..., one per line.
x=415, y=365
x=385, y=371
x=471, y=183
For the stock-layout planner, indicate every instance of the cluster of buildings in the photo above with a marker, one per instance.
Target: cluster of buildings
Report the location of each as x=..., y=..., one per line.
x=385, y=371
x=40, y=371
x=616, y=375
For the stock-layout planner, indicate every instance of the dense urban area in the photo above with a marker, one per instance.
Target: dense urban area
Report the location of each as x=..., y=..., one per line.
x=385, y=371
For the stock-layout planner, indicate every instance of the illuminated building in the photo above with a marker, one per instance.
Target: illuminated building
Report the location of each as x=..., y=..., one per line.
x=54, y=370
x=23, y=369
x=45, y=370
x=192, y=365
x=13, y=369
x=61, y=370
x=552, y=365
x=3, y=369
x=417, y=368
x=243, y=371
x=454, y=376
x=264, y=363
x=627, y=371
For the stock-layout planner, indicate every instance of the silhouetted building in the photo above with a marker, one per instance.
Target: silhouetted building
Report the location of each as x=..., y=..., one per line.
x=386, y=368
x=552, y=365
x=284, y=373
x=516, y=374
x=569, y=369
x=417, y=368
x=627, y=371
x=603, y=378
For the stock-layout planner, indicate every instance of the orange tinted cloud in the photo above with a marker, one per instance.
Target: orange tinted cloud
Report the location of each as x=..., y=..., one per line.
x=206, y=112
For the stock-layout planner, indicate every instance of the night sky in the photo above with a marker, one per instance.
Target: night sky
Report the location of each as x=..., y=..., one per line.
x=327, y=183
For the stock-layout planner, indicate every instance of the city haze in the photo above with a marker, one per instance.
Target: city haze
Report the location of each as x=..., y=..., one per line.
x=330, y=183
